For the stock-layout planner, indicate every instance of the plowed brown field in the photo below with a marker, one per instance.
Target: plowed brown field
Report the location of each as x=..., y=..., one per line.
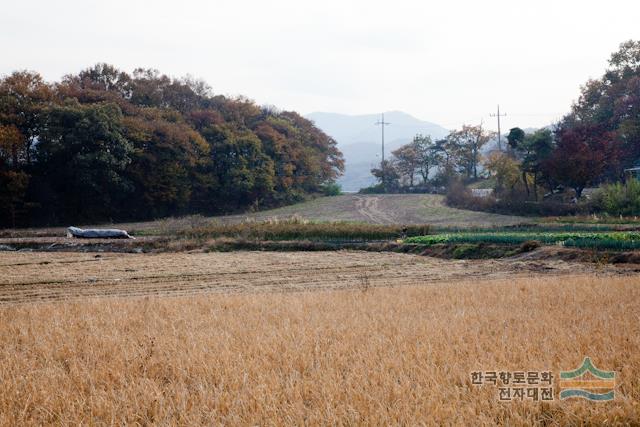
x=45, y=276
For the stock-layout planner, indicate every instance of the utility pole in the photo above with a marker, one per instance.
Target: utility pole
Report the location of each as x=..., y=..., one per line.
x=382, y=123
x=498, y=115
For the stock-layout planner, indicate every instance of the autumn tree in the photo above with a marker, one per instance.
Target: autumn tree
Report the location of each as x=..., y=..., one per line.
x=244, y=173
x=427, y=156
x=504, y=169
x=420, y=157
x=82, y=156
x=515, y=138
x=610, y=105
x=106, y=78
x=387, y=176
x=466, y=144
x=305, y=158
x=167, y=156
x=13, y=186
x=445, y=149
x=576, y=161
x=24, y=99
x=533, y=150
x=407, y=161
x=12, y=147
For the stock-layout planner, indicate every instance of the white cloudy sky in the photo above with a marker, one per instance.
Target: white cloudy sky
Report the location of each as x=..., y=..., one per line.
x=449, y=61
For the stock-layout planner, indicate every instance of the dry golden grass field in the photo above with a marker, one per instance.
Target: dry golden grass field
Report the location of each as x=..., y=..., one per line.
x=367, y=338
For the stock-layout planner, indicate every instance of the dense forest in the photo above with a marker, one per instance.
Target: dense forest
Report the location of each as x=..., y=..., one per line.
x=105, y=145
x=591, y=146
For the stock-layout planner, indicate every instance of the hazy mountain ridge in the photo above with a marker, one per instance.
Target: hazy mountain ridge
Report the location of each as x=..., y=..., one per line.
x=359, y=139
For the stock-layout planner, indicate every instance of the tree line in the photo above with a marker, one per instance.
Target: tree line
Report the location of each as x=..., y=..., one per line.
x=106, y=145
x=592, y=145
x=425, y=164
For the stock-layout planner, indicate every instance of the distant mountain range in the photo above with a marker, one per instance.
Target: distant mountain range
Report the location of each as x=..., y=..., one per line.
x=360, y=140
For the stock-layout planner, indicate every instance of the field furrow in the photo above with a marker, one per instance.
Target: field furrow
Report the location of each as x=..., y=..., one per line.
x=38, y=276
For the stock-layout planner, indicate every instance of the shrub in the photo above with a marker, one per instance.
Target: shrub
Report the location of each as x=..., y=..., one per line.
x=465, y=250
x=374, y=189
x=619, y=199
x=332, y=189
x=529, y=246
x=299, y=229
x=459, y=196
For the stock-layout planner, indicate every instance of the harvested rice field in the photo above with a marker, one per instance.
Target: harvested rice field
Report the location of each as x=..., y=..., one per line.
x=276, y=338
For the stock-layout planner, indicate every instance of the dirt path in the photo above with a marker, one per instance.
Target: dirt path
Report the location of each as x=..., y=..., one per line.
x=43, y=276
x=385, y=209
x=369, y=207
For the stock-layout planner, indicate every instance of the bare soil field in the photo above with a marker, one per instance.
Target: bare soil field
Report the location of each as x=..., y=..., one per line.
x=379, y=356
x=47, y=276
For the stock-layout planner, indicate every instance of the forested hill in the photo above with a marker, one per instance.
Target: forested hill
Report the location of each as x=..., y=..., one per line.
x=108, y=145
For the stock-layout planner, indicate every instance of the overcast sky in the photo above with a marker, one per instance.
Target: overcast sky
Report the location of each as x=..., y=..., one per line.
x=449, y=62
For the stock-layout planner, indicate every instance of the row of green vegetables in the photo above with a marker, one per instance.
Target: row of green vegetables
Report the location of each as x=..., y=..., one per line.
x=611, y=240
x=540, y=228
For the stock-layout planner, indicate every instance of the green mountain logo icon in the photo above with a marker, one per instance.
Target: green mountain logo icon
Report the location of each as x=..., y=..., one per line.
x=598, y=386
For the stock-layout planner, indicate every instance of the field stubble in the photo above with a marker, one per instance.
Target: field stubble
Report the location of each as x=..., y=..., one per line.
x=50, y=276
